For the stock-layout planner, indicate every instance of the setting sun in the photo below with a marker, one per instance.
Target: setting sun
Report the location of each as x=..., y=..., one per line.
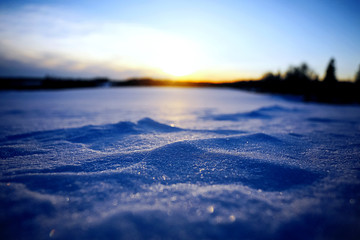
x=178, y=67
x=174, y=56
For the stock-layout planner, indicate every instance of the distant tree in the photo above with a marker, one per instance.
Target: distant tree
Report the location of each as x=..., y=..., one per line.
x=300, y=74
x=271, y=77
x=357, y=76
x=330, y=72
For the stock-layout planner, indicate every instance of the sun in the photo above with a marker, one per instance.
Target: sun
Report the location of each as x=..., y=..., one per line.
x=176, y=57
x=178, y=67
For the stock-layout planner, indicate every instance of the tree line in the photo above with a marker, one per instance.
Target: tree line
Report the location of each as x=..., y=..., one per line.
x=304, y=73
x=304, y=82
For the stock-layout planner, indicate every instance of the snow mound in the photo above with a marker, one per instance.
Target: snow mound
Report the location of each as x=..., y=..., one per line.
x=261, y=113
x=151, y=125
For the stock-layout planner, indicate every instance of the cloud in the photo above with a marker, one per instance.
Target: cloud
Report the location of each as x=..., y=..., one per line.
x=67, y=69
x=45, y=38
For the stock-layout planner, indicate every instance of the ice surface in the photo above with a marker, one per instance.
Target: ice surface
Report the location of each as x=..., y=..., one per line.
x=168, y=163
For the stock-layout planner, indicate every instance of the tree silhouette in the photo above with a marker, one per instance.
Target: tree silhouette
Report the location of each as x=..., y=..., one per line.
x=330, y=72
x=270, y=77
x=300, y=74
x=357, y=76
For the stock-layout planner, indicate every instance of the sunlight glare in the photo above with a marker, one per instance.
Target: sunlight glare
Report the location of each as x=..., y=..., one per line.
x=179, y=62
x=176, y=57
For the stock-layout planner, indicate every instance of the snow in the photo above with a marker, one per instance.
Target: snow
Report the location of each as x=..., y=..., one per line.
x=177, y=163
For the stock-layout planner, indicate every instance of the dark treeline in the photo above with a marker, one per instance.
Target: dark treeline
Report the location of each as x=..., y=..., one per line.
x=32, y=83
x=148, y=82
x=27, y=83
x=297, y=80
x=302, y=81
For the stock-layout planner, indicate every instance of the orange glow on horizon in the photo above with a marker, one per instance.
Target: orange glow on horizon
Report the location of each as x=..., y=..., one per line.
x=212, y=76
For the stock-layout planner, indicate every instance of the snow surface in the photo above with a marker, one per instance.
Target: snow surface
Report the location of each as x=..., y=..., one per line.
x=168, y=163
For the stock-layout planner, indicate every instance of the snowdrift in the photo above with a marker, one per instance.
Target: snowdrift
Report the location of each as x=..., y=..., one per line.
x=260, y=167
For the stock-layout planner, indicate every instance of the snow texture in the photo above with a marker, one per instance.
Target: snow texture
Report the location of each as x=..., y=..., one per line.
x=168, y=163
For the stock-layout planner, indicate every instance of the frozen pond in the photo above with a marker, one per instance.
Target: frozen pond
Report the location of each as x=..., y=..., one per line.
x=177, y=163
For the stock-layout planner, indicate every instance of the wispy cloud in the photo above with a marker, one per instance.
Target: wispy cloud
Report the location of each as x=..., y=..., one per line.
x=56, y=39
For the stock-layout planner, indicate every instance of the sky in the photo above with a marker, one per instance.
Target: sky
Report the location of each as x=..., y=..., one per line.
x=185, y=40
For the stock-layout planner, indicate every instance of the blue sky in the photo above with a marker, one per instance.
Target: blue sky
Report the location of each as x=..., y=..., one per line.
x=215, y=40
